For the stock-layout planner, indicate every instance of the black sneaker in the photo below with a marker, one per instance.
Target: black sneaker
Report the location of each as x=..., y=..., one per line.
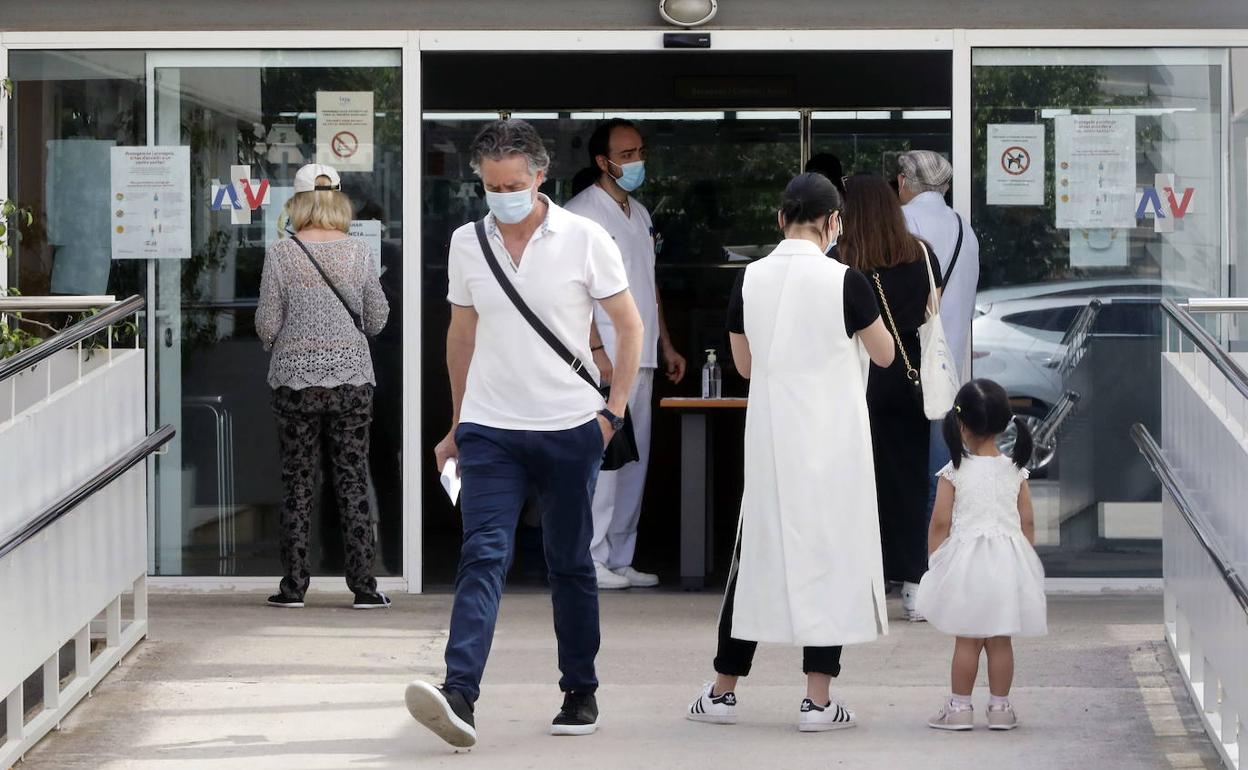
x=371, y=601
x=446, y=712
x=288, y=602
x=579, y=715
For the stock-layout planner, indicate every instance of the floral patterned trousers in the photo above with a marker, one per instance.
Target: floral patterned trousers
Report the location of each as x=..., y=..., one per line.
x=306, y=418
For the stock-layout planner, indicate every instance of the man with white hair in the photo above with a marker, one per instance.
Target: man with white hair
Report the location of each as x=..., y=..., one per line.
x=922, y=183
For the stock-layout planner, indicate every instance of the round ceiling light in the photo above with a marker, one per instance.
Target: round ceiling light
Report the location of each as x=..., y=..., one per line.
x=688, y=13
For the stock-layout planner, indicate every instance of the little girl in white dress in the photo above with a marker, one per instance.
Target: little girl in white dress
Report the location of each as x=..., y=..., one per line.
x=984, y=582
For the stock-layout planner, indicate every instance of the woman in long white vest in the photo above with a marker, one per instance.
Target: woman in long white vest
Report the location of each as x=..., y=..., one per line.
x=807, y=569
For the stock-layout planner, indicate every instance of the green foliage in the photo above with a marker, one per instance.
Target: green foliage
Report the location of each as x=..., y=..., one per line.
x=13, y=338
x=9, y=211
x=1020, y=244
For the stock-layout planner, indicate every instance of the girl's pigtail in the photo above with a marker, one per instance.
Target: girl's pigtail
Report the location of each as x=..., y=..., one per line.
x=1024, y=445
x=953, y=437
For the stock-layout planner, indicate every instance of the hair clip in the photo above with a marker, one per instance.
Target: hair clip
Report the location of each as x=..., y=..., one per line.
x=957, y=409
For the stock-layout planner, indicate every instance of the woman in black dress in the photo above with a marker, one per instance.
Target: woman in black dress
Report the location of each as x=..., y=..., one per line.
x=877, y=243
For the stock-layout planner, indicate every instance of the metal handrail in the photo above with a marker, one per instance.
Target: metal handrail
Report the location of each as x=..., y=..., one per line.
x=102, y=478
x=71, y=336
x=54, y=304
x=1203, y=340
x=1215, y=305
x=1170, y=480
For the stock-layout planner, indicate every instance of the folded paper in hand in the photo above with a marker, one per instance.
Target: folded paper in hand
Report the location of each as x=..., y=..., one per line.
x=450, y=479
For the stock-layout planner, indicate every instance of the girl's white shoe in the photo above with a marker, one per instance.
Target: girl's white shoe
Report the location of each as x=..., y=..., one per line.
x=1002, y=717
x=950, y=718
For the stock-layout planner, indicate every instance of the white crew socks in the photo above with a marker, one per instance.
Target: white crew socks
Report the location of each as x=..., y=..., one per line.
x=960, y=702
x=999, y=702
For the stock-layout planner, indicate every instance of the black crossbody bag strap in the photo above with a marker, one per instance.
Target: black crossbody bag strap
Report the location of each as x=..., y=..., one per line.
x=355, y=317
x=956, y=251
x=542, y=330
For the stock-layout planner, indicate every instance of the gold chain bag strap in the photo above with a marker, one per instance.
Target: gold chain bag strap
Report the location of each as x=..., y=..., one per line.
x=911, y=373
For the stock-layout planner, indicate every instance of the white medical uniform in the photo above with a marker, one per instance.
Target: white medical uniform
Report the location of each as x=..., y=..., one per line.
x=617, y=500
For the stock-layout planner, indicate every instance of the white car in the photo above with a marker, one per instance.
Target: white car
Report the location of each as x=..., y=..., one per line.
x=1018, y=333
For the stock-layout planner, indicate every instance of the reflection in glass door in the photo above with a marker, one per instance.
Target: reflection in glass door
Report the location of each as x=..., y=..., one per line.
x=253, y=115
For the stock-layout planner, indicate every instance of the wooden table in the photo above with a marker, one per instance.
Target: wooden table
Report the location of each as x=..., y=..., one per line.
x=697, y=491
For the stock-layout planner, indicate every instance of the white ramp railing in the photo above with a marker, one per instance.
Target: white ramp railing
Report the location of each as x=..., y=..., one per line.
x=73, y=522
x=1203, y=466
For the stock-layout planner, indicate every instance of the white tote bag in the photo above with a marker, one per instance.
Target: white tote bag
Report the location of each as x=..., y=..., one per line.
x=937, y=370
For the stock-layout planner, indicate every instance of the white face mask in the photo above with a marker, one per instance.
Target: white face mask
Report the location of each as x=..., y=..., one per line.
x=834, y=237
x=510, y=207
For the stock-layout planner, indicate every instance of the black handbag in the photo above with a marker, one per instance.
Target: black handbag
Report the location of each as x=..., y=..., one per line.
x=622, y=448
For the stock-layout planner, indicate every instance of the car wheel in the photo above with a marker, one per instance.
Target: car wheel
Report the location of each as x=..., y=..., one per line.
x=1043, y=459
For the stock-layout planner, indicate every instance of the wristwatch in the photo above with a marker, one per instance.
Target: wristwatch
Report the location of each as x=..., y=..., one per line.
x=616, y=422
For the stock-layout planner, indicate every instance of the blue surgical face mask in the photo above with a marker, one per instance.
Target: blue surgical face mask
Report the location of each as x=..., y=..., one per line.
x=510, y=207
x=632, y=175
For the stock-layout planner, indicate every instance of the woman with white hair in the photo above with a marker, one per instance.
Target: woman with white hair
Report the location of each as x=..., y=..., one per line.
x=319, y=298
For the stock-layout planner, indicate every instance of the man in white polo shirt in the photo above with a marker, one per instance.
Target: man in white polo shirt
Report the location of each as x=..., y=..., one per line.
x=618, y=153
x=525, y=421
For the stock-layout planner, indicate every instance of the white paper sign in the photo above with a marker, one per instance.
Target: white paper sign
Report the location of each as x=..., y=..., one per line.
x=370, y=231
x=1094, y=174
x=275, y=214
x=1016, y=164
x=1100, y=247
x=150, y=202
x=344, y=129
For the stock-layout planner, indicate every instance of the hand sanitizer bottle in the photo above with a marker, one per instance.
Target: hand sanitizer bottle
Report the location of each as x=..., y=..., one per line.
x=710, y=376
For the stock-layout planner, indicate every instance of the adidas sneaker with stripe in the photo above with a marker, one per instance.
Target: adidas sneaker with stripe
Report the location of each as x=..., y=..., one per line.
x=817, y=719
x=715, y=709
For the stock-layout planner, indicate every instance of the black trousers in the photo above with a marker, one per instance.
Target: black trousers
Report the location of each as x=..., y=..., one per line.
x=735, y=657
x=339, y=419
x=900, y=437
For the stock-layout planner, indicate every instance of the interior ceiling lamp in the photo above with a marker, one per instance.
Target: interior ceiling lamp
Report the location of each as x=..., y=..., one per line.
x=688, y=13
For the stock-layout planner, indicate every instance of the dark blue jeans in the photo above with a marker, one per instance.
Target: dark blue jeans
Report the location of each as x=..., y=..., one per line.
x=500, y=469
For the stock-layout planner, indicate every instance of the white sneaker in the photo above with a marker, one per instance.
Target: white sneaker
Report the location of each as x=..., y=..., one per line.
x=818, y=719
x=637, y=579
x=909, y=601
x=608, y=580
x=718, y=710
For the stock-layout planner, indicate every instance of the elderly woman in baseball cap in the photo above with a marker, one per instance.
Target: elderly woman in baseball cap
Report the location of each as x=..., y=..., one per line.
x=319, y=300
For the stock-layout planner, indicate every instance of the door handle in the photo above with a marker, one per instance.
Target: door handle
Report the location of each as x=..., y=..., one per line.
x=168, y=337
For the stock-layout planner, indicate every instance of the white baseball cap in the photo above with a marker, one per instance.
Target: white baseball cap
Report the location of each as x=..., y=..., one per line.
x=305, y=178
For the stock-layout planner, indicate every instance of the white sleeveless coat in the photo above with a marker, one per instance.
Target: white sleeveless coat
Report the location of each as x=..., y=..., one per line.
x=810, y=570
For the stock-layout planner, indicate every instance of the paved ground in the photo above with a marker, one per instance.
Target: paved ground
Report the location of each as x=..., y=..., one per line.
x=225, y=682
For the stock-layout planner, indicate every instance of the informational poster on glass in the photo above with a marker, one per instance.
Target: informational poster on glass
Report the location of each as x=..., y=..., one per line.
x=150, y=202
x=1094, y=171
x=1099, y=247
x=344, y=129
x=1015, y=164
x=275, y=214
x=370, y=231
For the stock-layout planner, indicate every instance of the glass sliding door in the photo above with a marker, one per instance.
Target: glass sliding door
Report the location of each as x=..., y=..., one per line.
x=1097, y=190
x=254, y=115
x=713, y=182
